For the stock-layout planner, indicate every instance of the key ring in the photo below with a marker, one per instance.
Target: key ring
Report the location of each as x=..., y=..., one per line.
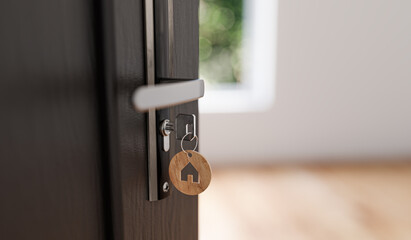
x=182, y=140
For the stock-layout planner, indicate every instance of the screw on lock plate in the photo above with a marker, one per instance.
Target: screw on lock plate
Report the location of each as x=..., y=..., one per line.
x=166, y=128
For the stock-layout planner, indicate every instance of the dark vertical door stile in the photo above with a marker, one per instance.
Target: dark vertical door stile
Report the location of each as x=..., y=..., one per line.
x=135, y=217
x=177, y=39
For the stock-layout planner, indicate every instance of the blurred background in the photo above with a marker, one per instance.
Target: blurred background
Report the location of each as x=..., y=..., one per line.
x=306, y=119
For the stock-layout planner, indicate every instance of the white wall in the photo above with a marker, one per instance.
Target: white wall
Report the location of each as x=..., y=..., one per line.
x=343, y=87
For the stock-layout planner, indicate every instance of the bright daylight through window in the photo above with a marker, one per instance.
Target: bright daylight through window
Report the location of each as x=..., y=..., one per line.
x=237, y=54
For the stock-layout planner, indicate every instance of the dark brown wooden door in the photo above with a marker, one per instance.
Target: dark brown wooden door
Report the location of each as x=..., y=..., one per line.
x=73, y=150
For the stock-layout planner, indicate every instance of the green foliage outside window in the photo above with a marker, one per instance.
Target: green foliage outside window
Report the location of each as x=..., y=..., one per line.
x=220, y=40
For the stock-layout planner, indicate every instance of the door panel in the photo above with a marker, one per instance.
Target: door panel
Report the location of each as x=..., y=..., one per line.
x=50, y=160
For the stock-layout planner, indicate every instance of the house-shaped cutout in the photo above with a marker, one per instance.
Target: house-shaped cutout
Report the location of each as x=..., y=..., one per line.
x=189, y=169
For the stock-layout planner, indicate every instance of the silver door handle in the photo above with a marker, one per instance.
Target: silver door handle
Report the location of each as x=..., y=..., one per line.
x=167, y=94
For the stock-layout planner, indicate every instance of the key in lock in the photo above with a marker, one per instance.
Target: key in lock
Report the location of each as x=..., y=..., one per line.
x=185, y=124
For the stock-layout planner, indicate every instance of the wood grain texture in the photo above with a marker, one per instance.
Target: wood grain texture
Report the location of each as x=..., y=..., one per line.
x=308, y=202
x=50, y=160
x=183, y=62
x=198, y=180
x=135, y=217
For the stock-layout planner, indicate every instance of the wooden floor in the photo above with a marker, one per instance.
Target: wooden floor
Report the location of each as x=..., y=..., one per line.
x=322, y=202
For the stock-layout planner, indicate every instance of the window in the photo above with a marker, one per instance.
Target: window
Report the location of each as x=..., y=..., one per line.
x=237, y=54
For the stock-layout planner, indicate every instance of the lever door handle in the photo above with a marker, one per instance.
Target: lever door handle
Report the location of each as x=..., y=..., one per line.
x=167, y=94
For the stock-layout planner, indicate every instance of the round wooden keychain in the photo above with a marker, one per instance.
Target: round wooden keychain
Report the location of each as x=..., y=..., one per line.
x=189, y=170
